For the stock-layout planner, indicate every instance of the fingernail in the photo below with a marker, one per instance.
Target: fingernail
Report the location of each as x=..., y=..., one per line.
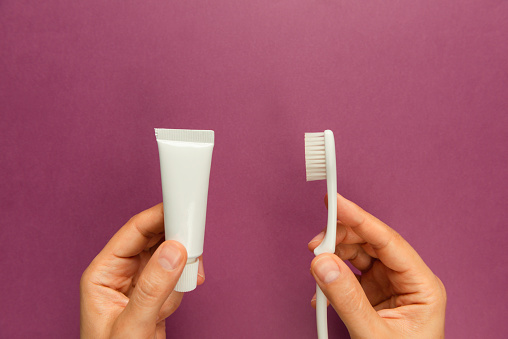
x=326, y=269
x=169, y=257
x=318, y=237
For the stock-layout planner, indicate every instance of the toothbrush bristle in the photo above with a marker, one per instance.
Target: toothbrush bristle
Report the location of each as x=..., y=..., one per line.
x=315, y=160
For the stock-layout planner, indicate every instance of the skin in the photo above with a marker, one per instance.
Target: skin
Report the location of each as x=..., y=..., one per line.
x=127, y=291
x=396, y=295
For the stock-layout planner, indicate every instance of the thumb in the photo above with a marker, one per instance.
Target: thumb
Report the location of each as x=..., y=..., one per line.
x=155, y=284
x=346, y=295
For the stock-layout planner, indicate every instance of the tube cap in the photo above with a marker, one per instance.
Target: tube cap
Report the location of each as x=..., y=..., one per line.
x=189, y=277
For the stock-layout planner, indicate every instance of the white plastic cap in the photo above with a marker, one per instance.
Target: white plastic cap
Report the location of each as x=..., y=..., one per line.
x=189, y=277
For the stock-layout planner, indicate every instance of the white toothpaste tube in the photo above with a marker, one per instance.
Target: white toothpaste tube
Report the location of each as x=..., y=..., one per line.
x=185, y=159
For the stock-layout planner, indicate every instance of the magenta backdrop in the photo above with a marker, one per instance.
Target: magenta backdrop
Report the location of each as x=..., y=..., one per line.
x=415, y=91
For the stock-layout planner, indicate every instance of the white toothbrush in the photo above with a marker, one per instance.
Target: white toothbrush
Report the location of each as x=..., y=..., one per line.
x=320, y=164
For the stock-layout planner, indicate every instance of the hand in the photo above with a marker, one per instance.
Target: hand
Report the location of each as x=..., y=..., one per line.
x=396, y=296
x=127, y=291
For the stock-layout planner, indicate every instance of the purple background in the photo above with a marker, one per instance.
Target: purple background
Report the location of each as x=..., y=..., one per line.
x=415, y=91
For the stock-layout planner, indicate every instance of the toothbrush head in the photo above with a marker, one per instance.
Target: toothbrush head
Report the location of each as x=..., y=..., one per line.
x=315, y=156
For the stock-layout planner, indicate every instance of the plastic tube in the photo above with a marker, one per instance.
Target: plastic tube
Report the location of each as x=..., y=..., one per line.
x=185, y=159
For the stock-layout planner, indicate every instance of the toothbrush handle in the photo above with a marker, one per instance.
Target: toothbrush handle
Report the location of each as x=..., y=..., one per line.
x=321, y=314
x=328, y=243
x=326, y=246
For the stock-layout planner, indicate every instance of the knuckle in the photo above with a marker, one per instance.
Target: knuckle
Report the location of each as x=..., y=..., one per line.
x=351, y=300
x=85, y=278
x=136, y=222
x=436, y=294
x=339, y=251
x=395, y=239
x=346, y=297
x=354, y=254
x=390, y=238
x=175, y=304
x=171, y=305
x=442, y=288
x=341, y=234
x=132, y=220
x=147, y=292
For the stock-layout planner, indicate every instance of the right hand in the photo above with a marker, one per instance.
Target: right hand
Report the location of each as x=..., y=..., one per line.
x=396, y=296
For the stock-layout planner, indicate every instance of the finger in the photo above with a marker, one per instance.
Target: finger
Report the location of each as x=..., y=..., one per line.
x=201, y=271
x=376, y=284
x=174, y=299
x=155, y=242
x=346, y=295
x=388, y=303
x=356, y=256
x=155, y=284
x=316, y=240
x=339, y=236
x=137, y=233
x=369, y=250
x=170, y=305
x=350, y=236
x=393, y=301
x=389, y=246
x=160, y=330
x=344, y=234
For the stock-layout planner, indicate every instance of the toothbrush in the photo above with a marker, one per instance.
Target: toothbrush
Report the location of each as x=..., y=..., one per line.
x=319, y=165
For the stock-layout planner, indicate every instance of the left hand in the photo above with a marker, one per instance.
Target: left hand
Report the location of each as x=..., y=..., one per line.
x=127, y=291
x=396, y=296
